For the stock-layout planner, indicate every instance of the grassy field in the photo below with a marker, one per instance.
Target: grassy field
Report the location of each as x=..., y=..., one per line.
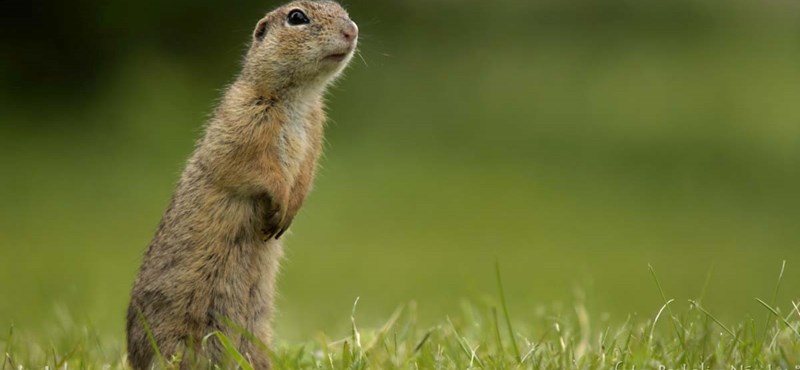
x=576, y=144
x=676, y=336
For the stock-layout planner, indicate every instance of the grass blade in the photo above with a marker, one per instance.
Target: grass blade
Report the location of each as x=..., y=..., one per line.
x=505, y=311
x=774, y=298
x=357, y=350
x=703, y=310
x=246, y=334
x=706, y=283
x=498, y=337
x=9, y=348
x=465, y=346
x=655, y=321
x=419, y=345
x=678, y=331
x=775, y=312
x=152, y=339
x=230, y=349
x=384, y=330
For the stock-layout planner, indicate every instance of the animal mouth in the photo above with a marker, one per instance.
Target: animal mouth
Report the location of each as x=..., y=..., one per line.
x=337, y=57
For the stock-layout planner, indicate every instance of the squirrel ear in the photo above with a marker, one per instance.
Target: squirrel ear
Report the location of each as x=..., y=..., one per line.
x=261, y=30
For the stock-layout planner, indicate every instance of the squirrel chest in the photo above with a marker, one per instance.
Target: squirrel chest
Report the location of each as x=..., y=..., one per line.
x=294, y=139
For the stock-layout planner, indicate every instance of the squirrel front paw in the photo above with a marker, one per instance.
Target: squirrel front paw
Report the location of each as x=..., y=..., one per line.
x=276, y=223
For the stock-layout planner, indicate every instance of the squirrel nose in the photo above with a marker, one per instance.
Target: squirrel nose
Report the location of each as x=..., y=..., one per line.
x=350, y=31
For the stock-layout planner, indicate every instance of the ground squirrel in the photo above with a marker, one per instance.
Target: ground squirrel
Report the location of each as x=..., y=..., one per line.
x=212, y=263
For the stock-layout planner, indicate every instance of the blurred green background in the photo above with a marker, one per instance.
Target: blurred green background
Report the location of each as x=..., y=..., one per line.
x=575, y=141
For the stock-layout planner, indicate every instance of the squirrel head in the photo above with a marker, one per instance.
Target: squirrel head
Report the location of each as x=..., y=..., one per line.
x=301, y=44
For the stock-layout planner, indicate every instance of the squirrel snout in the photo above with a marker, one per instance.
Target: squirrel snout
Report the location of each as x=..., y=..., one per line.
x=350, y=31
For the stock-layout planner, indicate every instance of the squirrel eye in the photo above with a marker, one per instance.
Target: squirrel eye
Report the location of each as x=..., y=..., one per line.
x=296, y=17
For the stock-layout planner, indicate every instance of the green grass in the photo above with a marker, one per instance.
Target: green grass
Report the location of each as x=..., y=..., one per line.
x=672, y=335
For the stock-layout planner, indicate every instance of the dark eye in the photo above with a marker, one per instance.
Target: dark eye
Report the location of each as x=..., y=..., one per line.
x=297, y=17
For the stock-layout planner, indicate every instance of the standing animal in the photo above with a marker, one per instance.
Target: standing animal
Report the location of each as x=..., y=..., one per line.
x=212, y=263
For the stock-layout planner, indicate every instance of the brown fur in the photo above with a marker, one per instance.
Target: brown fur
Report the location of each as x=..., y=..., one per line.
x=215, y=255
